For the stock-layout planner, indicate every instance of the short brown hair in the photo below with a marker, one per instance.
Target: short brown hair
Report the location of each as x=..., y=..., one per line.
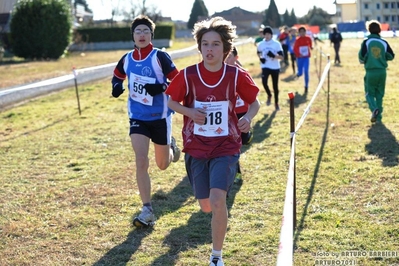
x=223, y=27
x=374, y=27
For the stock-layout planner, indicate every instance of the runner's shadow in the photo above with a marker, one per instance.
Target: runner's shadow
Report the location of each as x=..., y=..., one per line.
x=196, y=232
x=383, y=144
x=165, y=203
x=290, y=78
x=260, y=130
x=299, y=99
x=299, y=227
x=283, y=69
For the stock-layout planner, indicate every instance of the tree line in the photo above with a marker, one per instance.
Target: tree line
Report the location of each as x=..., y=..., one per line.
x=48, y=35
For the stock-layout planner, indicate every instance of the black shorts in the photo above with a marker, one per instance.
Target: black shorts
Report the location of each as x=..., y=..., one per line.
x=159, y=131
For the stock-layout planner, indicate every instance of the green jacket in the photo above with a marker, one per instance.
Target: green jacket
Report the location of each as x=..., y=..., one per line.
x=375, y=52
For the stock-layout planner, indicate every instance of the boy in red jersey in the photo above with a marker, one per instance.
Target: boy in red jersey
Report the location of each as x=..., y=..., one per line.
x=206, y=95
x=302, y=47
x=241, y=110
x=147, y=70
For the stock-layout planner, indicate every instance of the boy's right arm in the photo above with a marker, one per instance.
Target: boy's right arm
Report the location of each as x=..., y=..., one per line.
x=117, y=87
x=196, y=114
x=118, y=78
x=362, y=52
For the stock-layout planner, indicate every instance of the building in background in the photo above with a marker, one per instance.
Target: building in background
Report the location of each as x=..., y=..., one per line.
x=346, y=10
x=358, y=11
x=386, y=12
x=6, y=7
x=247, y=22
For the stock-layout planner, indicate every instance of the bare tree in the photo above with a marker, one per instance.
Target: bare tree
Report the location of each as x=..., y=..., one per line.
x=133, y=8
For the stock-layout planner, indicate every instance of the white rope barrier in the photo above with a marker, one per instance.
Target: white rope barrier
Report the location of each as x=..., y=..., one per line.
x=285, y=255
x=307, y=109
x=285, y=247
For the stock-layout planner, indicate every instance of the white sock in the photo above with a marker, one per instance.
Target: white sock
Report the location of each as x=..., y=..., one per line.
x=216, y=253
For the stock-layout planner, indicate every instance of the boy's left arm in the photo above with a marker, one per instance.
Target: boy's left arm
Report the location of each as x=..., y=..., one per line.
x=244, y=124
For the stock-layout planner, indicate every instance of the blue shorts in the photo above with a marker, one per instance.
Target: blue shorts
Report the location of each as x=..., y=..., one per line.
x=205, y=174
x=159, y=131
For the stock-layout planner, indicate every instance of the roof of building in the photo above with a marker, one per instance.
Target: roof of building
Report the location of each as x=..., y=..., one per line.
x=342, y=2
x=238, y=14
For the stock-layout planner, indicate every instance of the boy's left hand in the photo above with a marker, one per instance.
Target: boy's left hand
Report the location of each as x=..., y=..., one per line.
x=244, y=124
x=155, y=89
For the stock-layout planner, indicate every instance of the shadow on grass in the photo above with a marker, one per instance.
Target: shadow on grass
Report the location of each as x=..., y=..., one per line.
x=383, y=144
x=260, y=130
x=196, y=232
x=299, y=99
x=9, y=131
x=299, y=226
x=165, y=203
x=289, y=78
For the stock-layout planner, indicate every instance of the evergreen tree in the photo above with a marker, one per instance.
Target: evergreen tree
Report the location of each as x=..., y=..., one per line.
x=293, y=18
x=82, y=2
x=199, y=9
x=40, y=29
x=316, y=17
x=287, y=18
x=272, y=18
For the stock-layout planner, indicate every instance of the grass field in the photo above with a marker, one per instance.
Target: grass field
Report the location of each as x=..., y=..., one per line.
x=68, y=190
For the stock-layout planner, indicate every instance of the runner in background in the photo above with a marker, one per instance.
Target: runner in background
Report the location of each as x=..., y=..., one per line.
x=241, y=110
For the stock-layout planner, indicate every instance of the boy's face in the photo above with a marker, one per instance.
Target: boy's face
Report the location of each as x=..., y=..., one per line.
x=142, y=35
x=302, y=32
x=212, y=48
x=268, y=36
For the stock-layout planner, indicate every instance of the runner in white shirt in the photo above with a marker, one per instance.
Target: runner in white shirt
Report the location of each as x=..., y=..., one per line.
x=270, y=53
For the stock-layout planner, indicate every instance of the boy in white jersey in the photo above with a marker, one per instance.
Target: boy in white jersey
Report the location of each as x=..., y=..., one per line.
x=147, y=70
x=270, y=53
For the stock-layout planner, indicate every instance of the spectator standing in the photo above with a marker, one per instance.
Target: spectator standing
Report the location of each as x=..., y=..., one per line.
x=270, y=53
x=374, y=54
x=147, y=70
x=335, y=40
x=205, y=94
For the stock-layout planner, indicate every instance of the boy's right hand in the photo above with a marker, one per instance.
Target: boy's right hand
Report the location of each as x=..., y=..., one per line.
x=199, y=116
x=262, y=60
x=117, y=90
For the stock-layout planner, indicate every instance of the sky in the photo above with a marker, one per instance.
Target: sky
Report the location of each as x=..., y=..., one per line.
x=181, y=9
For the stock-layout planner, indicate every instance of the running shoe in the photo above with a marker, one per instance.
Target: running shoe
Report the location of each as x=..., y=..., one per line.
x=374, y=115
x=216, y=261
x=175, y=149
x=146, y=218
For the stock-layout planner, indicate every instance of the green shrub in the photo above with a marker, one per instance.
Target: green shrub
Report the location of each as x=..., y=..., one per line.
x=116, y=34
x=40, y=29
